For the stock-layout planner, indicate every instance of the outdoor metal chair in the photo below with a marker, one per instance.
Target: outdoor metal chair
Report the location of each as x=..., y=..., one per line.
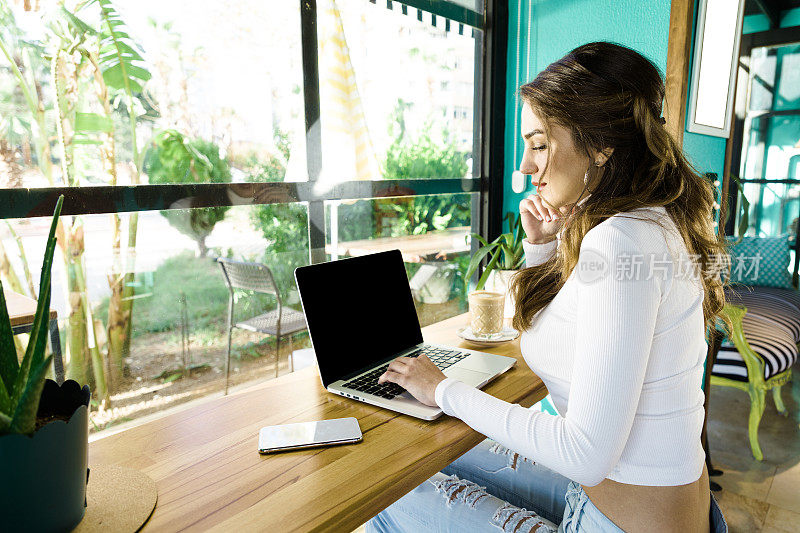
x=283, y=320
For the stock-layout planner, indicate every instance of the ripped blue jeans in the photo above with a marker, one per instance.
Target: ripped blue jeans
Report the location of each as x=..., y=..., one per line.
x=494, y=489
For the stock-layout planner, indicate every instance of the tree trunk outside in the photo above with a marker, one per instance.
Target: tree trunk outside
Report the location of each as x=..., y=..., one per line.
x=128, y=288
x=10, y=171
x=202, y=249
x=77, y=346
x=116, y=327
x=116, y=330
x=10, y=277
x=82, y=343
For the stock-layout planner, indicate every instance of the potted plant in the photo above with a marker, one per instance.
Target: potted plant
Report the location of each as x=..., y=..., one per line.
x=506, y=256
x=44, y=427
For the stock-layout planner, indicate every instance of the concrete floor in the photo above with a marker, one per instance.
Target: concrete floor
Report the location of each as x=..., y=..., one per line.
x=757, y=495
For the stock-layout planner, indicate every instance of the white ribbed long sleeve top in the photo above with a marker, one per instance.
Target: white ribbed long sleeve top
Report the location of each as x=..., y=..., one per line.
x=621, y=349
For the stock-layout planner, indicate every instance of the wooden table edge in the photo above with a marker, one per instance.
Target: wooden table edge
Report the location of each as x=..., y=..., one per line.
x=518, y=385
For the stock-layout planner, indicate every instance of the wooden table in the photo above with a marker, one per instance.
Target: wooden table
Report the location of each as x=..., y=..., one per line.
x=21, y=311
x=415, y=248
x=210, y=475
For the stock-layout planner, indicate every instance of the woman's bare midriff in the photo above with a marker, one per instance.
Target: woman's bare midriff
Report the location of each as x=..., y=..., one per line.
x=635, y=508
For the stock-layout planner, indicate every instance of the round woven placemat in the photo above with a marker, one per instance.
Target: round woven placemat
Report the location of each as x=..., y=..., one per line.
x=119, y=499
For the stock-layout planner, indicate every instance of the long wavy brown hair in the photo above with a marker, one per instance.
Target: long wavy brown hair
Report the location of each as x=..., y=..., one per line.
x=611, y=96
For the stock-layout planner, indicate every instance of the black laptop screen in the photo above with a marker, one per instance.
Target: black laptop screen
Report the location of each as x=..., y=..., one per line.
x=359, y=311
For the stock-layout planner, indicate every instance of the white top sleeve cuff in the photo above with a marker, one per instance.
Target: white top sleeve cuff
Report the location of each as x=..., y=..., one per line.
x=536, y=254
x=440, y=390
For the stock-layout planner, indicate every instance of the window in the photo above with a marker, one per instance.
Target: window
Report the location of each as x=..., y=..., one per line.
x=238, y=132
x=766, y=139
x=714, y=66
x=771, y=151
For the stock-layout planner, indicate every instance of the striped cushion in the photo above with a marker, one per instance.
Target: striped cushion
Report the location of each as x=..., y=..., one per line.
x=771, y=326
x=781, y=306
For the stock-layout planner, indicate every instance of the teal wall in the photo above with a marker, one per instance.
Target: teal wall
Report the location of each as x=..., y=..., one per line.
x=557, y=26
x=548, y=29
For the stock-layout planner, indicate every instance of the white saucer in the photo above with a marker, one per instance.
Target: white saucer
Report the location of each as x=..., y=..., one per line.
x=507, y=334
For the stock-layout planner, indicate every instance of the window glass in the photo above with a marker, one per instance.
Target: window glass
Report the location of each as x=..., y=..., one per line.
x=433, y=234
x=475, y=5
x=199, y=85
x=763, y=78
x=788, y=96
x=210, y=92
x=773, y=208
x=175, y=292
x=771, y=148
x=392, y=86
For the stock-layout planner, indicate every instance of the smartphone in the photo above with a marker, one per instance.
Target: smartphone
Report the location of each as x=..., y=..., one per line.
x=308, y=435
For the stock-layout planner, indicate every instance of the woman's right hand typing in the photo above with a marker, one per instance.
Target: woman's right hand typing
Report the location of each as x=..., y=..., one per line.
x=540, y=222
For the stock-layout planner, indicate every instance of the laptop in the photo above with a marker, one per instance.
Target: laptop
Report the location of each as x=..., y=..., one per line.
x=361, y=316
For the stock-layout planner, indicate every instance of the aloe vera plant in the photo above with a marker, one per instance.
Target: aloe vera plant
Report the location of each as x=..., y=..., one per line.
x=506, y=252
x=21, y=383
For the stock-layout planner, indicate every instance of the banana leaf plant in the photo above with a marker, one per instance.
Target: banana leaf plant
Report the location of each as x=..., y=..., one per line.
x=21, y=383
x=505, y=252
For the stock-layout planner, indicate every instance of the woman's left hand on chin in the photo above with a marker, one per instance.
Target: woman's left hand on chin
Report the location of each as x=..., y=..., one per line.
x=418, y=375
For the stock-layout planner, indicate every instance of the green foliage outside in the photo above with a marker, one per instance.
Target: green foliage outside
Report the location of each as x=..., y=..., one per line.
x=172, y=158
x=200, y=279
x=424, y=158
x=421, y=158
x=356, y=220
x=285, y=226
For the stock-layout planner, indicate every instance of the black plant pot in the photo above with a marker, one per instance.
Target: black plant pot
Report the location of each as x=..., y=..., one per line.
x=43, y=477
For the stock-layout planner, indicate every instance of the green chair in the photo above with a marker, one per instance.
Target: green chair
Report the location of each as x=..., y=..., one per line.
x=764, y=308
x=761, y=349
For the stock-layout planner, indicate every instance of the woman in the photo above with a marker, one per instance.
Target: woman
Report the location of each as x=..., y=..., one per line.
x=622, y=279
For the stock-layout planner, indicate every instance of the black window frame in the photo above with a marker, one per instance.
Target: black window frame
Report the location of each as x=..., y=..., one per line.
x=488, y=119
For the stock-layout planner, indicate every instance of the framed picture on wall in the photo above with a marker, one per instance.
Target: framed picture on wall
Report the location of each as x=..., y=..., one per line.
x=716, y=54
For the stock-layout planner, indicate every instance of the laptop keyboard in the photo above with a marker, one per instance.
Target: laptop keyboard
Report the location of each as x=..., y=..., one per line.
x=368, y=383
